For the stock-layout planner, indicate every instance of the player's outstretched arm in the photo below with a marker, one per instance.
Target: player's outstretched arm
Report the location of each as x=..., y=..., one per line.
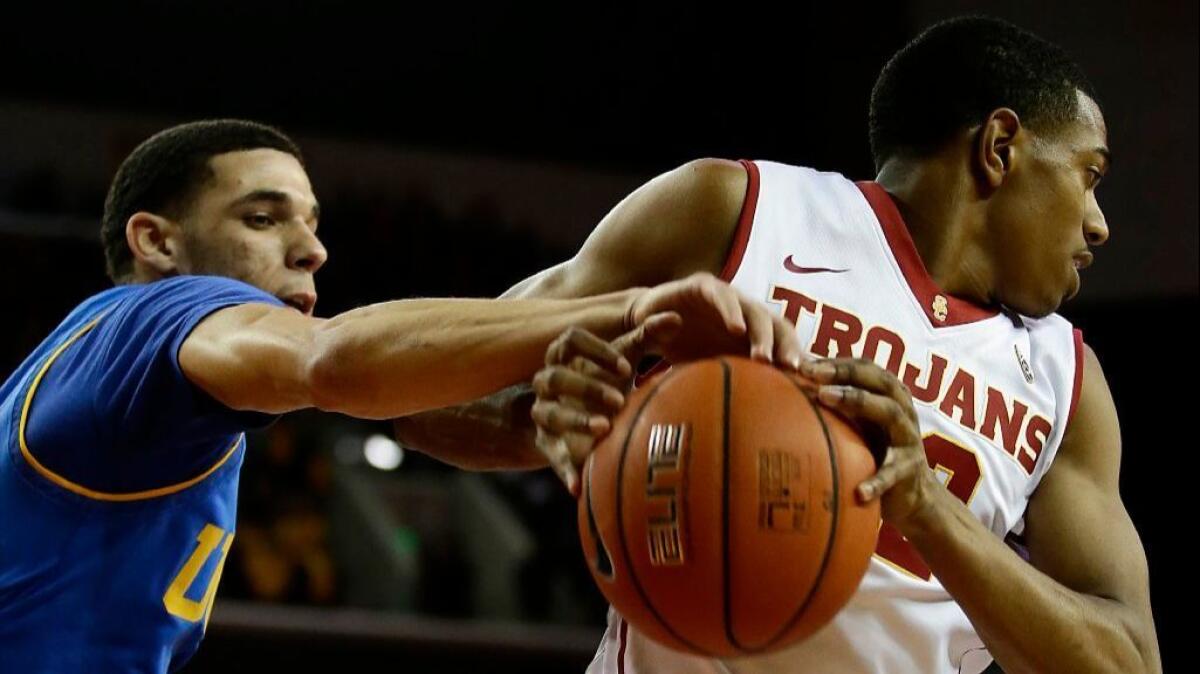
x=1082, y=603
x=402, y=357
x=677, y=224
x=383, y=360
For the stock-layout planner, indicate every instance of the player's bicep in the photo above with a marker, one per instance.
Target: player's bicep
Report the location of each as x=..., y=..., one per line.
x=1080, y=534
x=1077, y=529
x=679, y=223
x=253, y=357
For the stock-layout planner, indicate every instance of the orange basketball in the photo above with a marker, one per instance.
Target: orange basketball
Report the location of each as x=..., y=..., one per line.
x=719, y=515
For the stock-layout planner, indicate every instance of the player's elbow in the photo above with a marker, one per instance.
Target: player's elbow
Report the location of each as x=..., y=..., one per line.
x=1145, y=642
x=1135, y=624
x=1141, y=658
x=1131, y=644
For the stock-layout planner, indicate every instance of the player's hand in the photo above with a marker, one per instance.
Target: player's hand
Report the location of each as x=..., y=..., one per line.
x=583, y=385
x=717, y=319
x=876, y=400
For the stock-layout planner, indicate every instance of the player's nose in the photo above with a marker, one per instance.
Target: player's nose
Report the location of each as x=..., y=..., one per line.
x=1095, y=226
x=307, y=252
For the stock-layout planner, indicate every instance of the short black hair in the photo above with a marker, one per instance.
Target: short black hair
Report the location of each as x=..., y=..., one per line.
x=163, y=173
x=953, y=75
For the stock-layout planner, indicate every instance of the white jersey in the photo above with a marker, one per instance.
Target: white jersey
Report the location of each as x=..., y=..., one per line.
x=993, y=393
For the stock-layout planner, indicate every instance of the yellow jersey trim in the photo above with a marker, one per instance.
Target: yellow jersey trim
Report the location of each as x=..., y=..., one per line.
x=78, y=488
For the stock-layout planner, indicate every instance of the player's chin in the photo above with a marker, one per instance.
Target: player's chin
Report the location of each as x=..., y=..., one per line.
x=1073, y=285
x=1068, y=287
x=1038, y=305
x=1053, y=295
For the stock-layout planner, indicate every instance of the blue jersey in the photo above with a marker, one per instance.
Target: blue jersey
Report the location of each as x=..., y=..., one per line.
x=118, y=485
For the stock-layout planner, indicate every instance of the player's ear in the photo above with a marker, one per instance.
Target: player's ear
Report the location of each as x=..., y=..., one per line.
x=154, y=242
x=996, y=145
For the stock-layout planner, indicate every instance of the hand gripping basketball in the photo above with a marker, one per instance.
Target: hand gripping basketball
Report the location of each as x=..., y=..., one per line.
x=874, y=398
x=583, y=385
x=585, y=378
x=718, y=320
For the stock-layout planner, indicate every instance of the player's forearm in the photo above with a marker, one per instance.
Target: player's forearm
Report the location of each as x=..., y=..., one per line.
x=1029, y=621
x=492, y=433
x=398, y=358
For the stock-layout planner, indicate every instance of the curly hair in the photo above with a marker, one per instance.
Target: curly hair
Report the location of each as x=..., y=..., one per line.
x=953, y=75
x=164, y=173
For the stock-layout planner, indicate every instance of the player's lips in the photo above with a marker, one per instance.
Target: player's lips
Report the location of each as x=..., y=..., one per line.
x=1079, y=261
x=303, y=302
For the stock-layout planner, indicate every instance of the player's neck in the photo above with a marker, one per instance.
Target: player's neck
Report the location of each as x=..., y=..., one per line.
x=945, y=222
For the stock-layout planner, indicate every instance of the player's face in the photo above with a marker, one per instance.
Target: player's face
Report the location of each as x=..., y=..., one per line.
x=1049, y=216
x=256, y=221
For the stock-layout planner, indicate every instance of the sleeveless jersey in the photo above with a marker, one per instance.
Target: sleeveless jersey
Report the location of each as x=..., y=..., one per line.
x=118, y=485
x=993, y=392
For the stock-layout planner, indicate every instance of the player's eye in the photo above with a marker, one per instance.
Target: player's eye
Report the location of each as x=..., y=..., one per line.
x=1094, y=176
x=259, y=220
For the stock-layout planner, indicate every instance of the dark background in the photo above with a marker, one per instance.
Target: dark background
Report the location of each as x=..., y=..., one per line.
x=457, y=149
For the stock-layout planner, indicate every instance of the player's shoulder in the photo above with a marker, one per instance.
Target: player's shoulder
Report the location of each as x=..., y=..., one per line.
x=714, y=170
x=186, y=292
x=691, y=210
x=198, y=286
x=797, y=176
x=710, y=181
x=731, y=181
x=828, y=203
x=724, y=183
x=138, y=317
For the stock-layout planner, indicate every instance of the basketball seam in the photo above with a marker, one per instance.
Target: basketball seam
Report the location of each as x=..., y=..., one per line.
x=601, y=546
x=727, y=595
x=637, y=585
x=833, y=525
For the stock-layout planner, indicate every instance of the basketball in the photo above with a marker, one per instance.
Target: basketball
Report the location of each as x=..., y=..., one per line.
x=719, y=515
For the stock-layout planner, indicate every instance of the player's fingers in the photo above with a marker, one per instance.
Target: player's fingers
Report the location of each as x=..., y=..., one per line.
x=881, y=411
x=760, y=330
x=725, y=300
x=577, y=342
x=556, y=418
x=788, y=352
x=656, y=330
x=557, y=453
x=860, y=373
x=556, y=381
x=579, y=446
x=589, y=368
x=891, y=472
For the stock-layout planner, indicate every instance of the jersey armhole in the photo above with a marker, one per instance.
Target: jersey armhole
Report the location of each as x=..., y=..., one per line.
x=62, y=481
x=1078, y=385
x=741, y=235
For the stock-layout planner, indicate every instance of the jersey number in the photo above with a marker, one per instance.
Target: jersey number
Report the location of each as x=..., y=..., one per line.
x=206, y=543
x=960, y=470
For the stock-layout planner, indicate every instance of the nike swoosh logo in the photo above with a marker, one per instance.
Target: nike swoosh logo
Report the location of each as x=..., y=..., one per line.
x=797, y=269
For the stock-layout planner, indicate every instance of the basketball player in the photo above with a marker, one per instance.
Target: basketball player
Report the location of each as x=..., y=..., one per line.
x=927, y=298
x=124, y=430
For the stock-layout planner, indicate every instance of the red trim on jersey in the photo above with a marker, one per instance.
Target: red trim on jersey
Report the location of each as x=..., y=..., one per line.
x=1078, y=375
x=621, y=651
x=924, y=288
x=741, y=236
